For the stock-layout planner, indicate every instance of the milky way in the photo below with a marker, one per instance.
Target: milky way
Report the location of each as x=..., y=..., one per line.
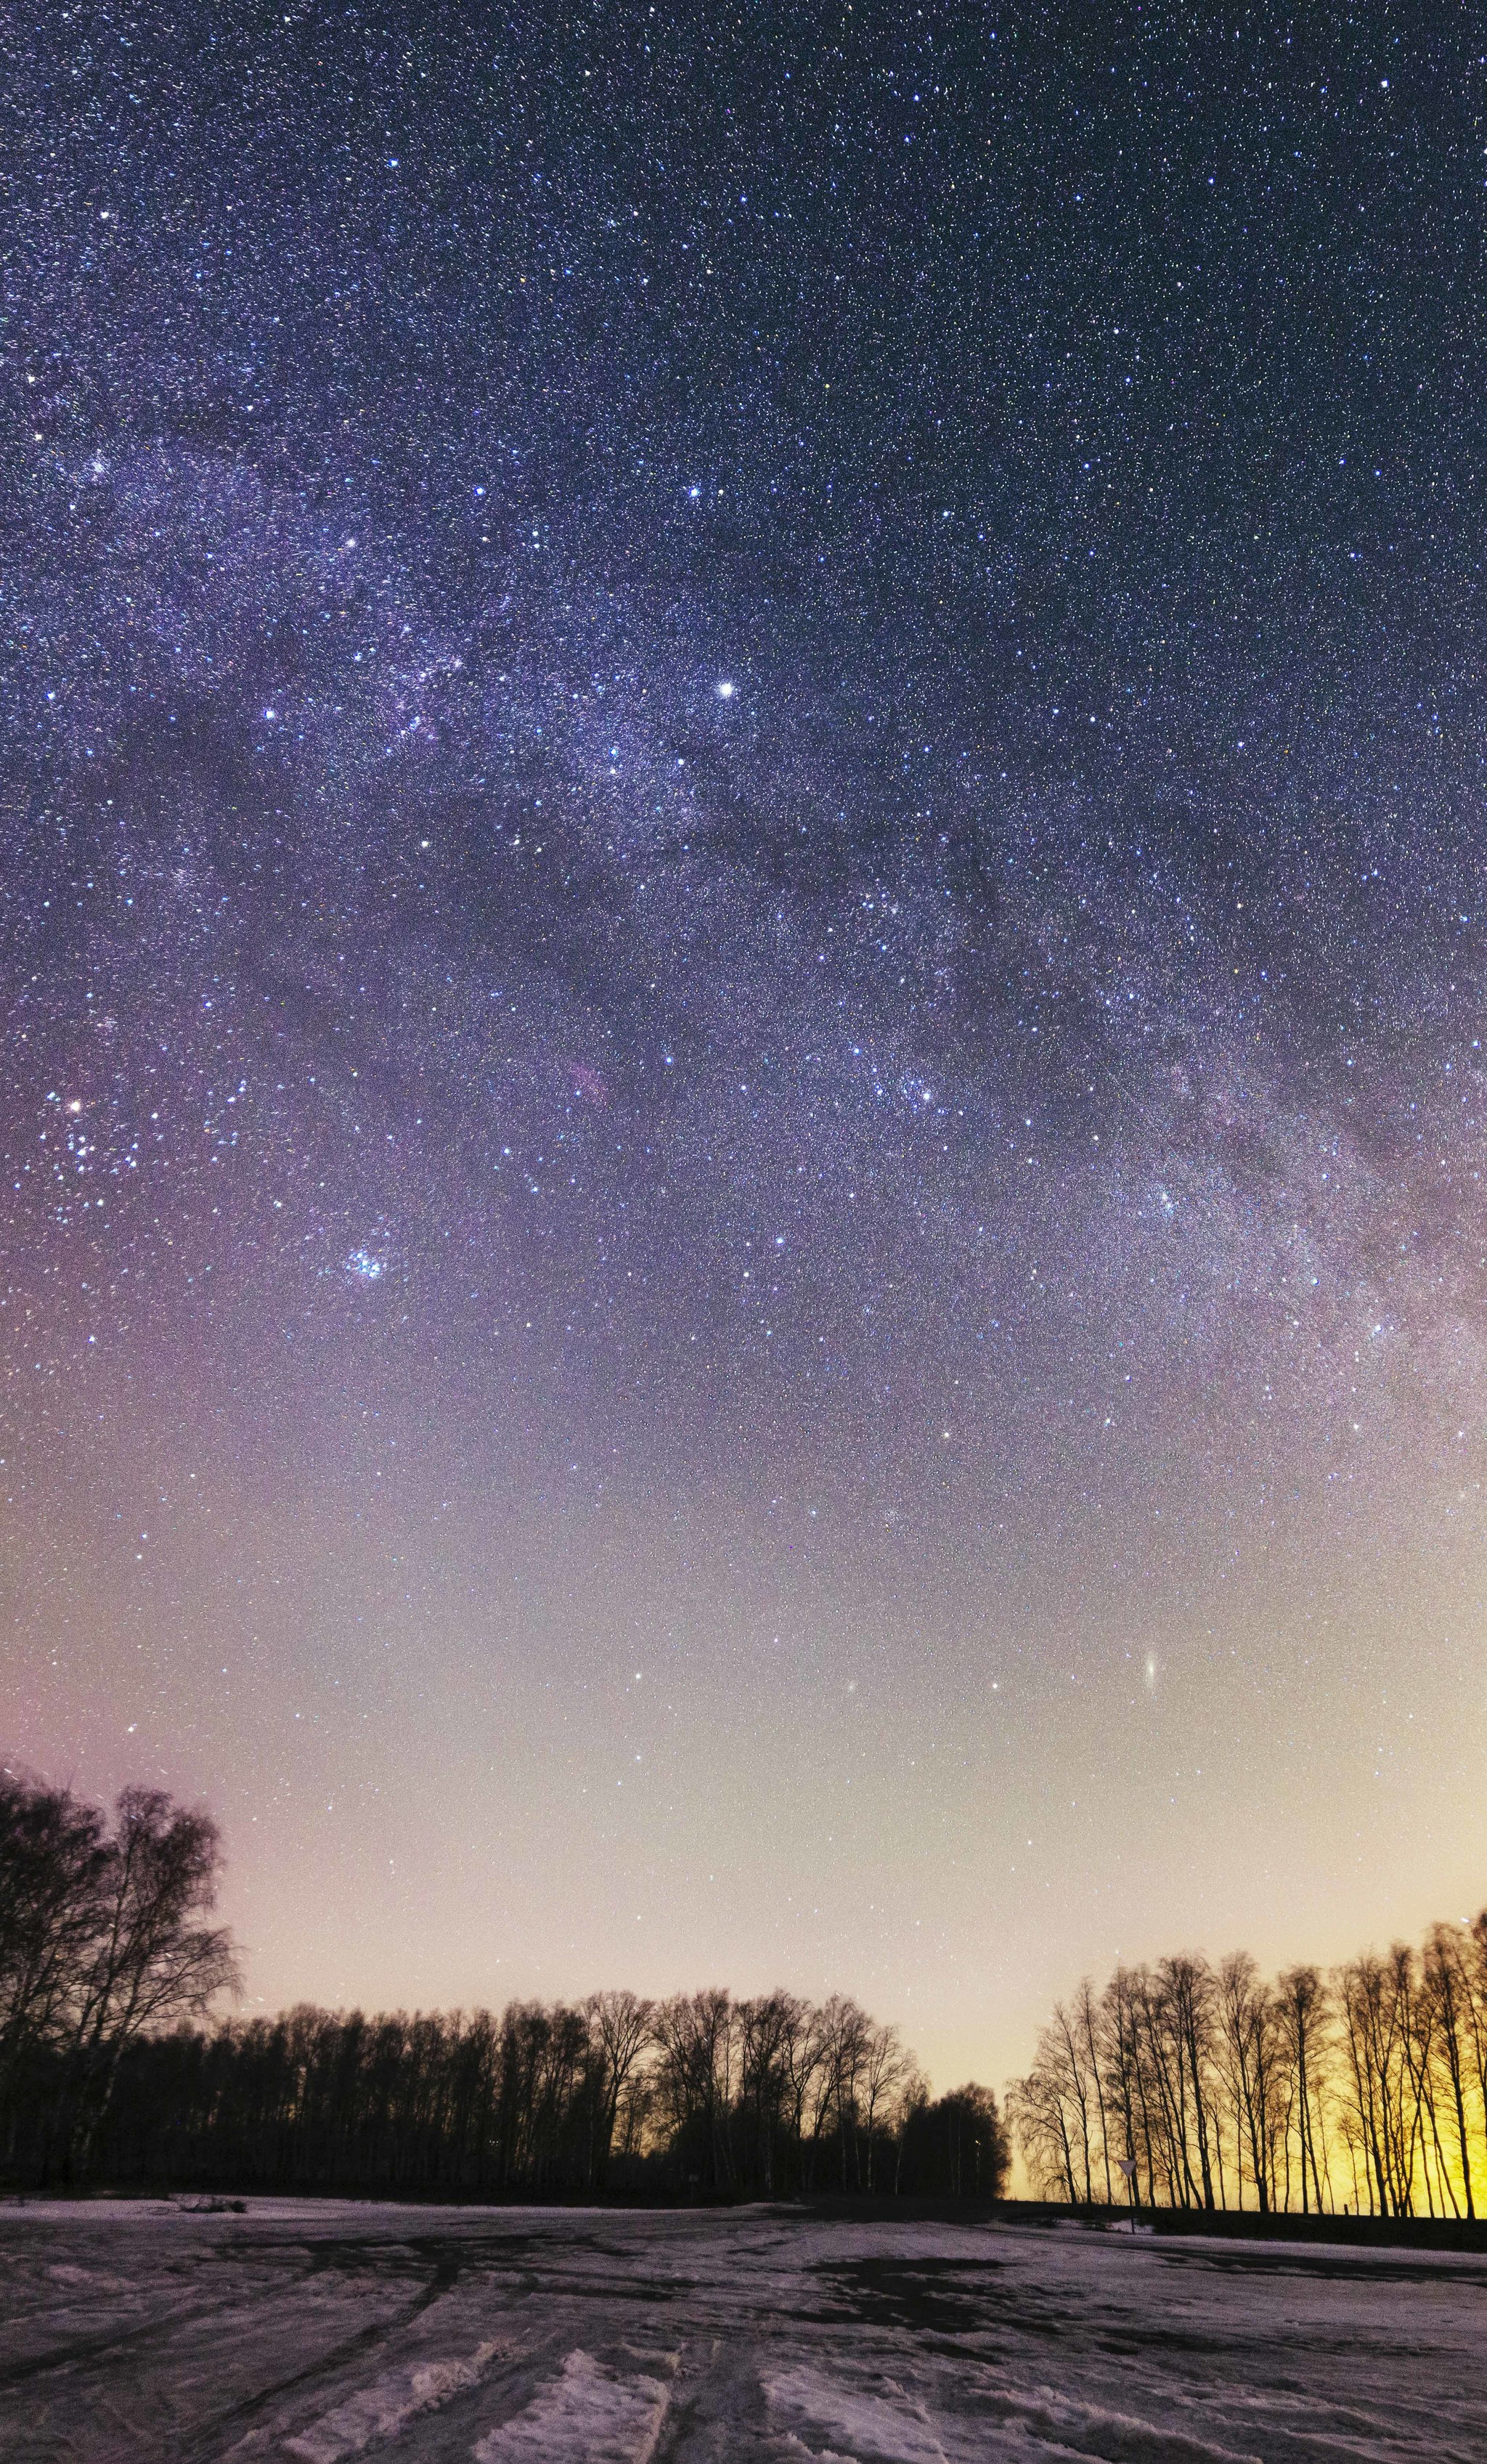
x=742, y=940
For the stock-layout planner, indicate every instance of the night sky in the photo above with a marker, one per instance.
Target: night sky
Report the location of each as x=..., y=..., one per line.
x=741, y=931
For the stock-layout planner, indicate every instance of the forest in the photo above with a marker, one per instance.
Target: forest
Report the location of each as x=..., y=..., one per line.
x=1185, y=2083
x=114, y=2071
x=1361, y=2089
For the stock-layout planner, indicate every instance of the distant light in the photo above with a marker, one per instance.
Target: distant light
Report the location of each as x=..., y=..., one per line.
x=726, y=688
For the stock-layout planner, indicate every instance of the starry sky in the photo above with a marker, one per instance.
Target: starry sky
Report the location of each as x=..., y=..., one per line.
x=742, y=933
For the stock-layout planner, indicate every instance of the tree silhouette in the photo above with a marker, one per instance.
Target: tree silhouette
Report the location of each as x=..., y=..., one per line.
x=102, y=1945
x=1365, y=2089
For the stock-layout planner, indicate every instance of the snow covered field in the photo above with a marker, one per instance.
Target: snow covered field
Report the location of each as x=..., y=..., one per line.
x=326, y=2331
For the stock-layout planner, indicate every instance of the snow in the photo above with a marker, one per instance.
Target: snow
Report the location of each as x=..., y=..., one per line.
x=316, y=2332
x=376, y=2413
x=587, y=2411
x=866, y=2426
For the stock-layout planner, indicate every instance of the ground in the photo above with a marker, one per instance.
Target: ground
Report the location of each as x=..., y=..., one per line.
x=327, y=2330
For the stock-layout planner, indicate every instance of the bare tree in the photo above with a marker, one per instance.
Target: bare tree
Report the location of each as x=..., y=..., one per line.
x=1222, y=2088
x=770, y=2028
x=807, y=2073
x=1041, y=2111
x=1249, y=2055
x=887, y=2071
x=846, y=2029
x=1118, y=2034
x=620, y=2026
x=55, y=1863
x=1076, y=2072
x=1375, y=2077
x=693, y=2037
x=1448, y=1983
x=152, y=1962
x=1304, y=2009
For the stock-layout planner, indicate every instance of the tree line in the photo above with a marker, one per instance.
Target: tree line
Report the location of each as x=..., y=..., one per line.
x=112, y=2068
x=1361, y=2090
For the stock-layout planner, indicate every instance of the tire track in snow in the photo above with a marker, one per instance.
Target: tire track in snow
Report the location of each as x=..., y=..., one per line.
x=314, y=2260
x=406, y=2404
x=718, y=2407
x=201, y=2444
x=878, y=2428
x=379, y=2411
x=117, y=2340
x=588, y=2412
